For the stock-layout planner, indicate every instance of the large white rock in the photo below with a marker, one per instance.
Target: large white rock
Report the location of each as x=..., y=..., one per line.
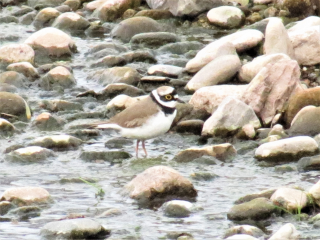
x=286, y=232
x=226, y=16
x=290, y=199
x=231, y=115
x=287, y=149
x=306, y=122
x=306, y=45
x=277, y=39
x=184, y=7
x=271, y=88
x=305, y=23
x=250, y=70
x=315, y=192
x=51, y=41
x=218, y=71
x=209, y=98
x=217, y=49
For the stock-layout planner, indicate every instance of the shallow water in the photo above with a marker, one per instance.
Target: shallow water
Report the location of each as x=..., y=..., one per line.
x=215, y=197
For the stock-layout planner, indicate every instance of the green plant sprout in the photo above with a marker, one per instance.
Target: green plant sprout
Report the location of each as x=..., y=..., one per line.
x=100, y=192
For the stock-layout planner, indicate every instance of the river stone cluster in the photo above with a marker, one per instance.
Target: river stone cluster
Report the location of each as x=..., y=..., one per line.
x=248, y=70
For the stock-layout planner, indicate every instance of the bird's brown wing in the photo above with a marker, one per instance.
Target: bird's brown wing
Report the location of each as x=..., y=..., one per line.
x=135, y=115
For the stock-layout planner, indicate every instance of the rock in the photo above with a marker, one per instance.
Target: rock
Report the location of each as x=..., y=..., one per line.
x=122, y=101
x=109, y=61
x=241, y=237
x=300, y=99
x=5, y=207
x=155, y=14
x=6, y=128
x=231, y=115
x=115, y=89
x=165, y=70
x=178, y=208
x=57, y=142
x=219, y=70
x=110, y=156
x=73, y=4
x=109, y=11
x=47, y=122
x=217, y=49
x=158, y=184
x=13, y=78
x=250, y=70
x=315, y=192
x=125, y=75
x=309, y=163
x=289, y=149
x=269, y=91
x=28, y=18
x=262, y=194
x=290, y=199
x=60, y=105
x=13, y=53
x=226, y=17
x=154, y=79
x=224, y=152
x=74, y=229
x=51, y=42
x=24, y=68
x=278, y=131
x=209, y=98
x=305, y=45
x=256, y=209
x=306, y=122
x=190, y=126
x=305, y=24
x=126, y=29
x=181, y=47
x=139, y=56
x=13, y=105
x=277, y=39
x=184, y=7
x=59, y=77
x=153, y=39
x=71, y=22
x=23, y=196
x=286, y=232
x=300, y=9
x=36, y=4
x=30, y=154
x=45, y=17
x=25, y=213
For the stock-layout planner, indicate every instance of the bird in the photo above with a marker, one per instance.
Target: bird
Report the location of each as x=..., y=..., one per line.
x=147, y=118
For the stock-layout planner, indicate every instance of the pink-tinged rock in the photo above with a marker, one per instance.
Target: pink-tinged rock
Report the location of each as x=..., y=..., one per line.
x=113, y=9
x=226, y=16
x=184, y=7
x=269, y=91
x=26, y=195
x=71, y=21
x=209, y=98
x=58, y=76
x=217, y=49
x=290, y=199
x=25, y=68
x=218, y=71
x=306, y=45
x=156, y=184
x=91, y=6
x=51, y=42
x=250, y=70
x=45, y=17
x=277, y=39
x=14, y=53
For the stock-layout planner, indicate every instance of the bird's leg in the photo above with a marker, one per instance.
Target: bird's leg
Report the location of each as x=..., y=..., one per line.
x=144, y=148
x=137, y=149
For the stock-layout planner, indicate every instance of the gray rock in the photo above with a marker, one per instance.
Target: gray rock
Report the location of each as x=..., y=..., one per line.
x=13, y=78
x=153, y=39
x=256, y=209
x=71, y=22
x=289, y=149
x=14, y=105
x=61, y=105
x=125, y=75
x=190, y=126
x=109, y=61
x=139, y=56
x=178, y=208
x=309, y=163
x=181, y=47
x=5, y=207
x=45, y=17
x=158, y=184
x=225, y=121
x=109, y=156
x=47, y=122
x=132, y=26
x=24, y=68
x=263, y=194
x=165, y=70
x=74, y=229
x=115, y=89
x=36, y=4
x=25, y=213
x=29, y=154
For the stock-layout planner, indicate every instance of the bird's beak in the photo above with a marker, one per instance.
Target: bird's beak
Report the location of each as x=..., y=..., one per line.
x=179, y=100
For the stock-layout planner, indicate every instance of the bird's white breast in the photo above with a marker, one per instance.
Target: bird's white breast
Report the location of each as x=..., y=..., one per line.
x=156, y=125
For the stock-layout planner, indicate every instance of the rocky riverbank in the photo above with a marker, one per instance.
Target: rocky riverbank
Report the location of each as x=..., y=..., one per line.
x=241, y=160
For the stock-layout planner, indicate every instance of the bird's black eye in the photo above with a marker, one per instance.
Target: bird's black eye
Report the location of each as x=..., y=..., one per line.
x=168, y=97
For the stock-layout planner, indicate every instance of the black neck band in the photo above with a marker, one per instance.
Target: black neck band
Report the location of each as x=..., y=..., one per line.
x=165, y=109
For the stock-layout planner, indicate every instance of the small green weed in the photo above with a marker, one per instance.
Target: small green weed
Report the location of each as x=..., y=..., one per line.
x=100, y=192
